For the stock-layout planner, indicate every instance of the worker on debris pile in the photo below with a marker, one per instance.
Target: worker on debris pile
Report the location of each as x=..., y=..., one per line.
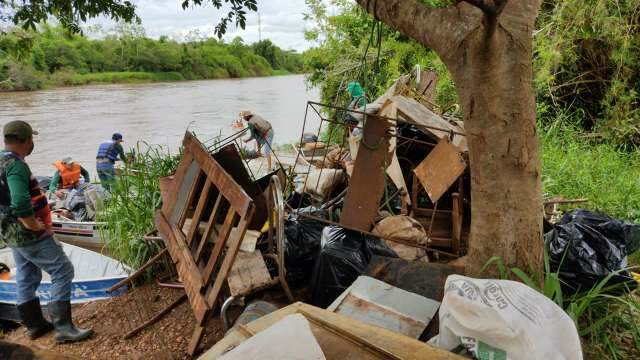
x=261, y=131
x=25, y=220
x=357, y=102
x=69, y=175
x=106, y=158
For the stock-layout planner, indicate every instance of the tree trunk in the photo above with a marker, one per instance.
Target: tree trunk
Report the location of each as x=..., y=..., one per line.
x=488, y=51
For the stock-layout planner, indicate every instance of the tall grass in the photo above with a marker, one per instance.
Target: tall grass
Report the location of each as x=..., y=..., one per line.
x=130, y=211
x=575, y=167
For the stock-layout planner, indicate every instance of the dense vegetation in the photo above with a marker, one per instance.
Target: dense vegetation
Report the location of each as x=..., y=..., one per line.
x=30, y=60
x=587, y=79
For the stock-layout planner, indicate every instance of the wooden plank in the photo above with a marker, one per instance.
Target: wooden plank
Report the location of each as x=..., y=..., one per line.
x=339, y=337
x=247, y=273
x=219, y=246
x=440, y=169
x=191, y=279
x=183, y=165
x=211, y=226
x=195, y=221
x=198, y=334
x=192, y=195
x=367, y=182
x=456, y=223
x=418, y=114
x=232, y=251
x=240, y=201
x=138, y=272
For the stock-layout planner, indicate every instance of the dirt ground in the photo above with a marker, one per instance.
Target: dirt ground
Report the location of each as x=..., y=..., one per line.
x=112, y=318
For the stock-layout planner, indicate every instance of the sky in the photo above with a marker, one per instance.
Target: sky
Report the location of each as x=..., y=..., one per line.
x=281, y=21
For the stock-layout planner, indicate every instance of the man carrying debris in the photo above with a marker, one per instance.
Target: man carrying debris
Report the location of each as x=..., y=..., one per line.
x=68, y=176
x=25, y=226
x=106, y=158
x=261, y=132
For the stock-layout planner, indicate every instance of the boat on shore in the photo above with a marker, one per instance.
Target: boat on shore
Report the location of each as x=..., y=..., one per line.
x=94, y=274
x=85, y=234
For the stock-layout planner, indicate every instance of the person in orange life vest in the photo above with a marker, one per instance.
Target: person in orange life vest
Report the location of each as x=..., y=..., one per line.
x=67, y=176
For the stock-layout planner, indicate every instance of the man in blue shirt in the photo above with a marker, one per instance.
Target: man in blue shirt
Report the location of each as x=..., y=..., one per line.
x=108, y=154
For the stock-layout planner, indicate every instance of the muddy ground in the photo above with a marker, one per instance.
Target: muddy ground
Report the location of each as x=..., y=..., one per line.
x=111, y=319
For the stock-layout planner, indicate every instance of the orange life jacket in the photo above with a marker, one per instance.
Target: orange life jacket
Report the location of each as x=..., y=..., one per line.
x=68, y=178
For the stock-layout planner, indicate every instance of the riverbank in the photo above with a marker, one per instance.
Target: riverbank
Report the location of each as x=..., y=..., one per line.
x=67, y=79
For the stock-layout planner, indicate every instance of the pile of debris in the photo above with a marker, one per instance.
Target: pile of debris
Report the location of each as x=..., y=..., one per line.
x=359, y=236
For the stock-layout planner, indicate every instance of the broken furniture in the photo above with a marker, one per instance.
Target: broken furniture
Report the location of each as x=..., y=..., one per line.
x=339, y=337
x=249, y=273
x=205, y=256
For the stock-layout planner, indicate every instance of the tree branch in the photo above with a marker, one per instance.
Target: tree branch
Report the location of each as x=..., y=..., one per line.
x=440, y=29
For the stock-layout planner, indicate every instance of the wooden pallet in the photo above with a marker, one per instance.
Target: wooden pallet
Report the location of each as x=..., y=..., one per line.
x=203, y=191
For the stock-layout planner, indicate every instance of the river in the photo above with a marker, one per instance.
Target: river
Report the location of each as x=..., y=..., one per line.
x=74, y=121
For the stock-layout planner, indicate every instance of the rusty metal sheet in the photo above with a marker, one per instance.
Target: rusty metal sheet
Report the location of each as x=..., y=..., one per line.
x=440, y=169
x=366, y=185
x=425, y=279
x=426, y=120
x=377, y=303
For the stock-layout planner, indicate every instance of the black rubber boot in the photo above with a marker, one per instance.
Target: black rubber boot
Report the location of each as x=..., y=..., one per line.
x=31, y=315
x=65, y=330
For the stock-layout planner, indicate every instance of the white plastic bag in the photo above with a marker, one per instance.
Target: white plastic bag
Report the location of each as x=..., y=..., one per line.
x=501, y=319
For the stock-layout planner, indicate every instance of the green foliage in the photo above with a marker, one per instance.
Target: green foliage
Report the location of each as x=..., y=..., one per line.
x=55, y=57
x=576, y=166
x=608, y=322
x=588, y=61
x=129, y=212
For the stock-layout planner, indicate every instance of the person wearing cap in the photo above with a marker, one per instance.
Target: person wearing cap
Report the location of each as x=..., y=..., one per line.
x=261, y=131
x=106, y=158
x=25, y=226
x=67, y=176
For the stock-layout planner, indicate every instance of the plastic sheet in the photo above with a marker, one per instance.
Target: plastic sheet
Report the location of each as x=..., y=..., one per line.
x=344, y=255
x=587, y=247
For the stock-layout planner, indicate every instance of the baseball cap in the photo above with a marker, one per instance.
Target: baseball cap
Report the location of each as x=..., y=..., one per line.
x=245, y=113
x=18, y=128
x=116, y=136
x=67, y=160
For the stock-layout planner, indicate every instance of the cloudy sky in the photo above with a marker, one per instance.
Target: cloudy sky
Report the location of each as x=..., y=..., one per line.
x=281, y=21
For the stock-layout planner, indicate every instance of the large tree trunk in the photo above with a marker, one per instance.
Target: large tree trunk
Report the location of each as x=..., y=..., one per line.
x=488, y=50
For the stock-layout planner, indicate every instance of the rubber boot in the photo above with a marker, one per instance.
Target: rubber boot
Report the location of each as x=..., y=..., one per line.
x=31, y=315
x=65, y=330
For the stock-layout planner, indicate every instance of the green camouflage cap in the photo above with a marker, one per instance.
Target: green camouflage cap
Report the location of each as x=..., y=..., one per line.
x=20, y=129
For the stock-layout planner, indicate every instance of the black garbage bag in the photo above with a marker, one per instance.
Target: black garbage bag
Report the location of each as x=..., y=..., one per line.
x=302, y=241
x=586, y=247
x=344, y=255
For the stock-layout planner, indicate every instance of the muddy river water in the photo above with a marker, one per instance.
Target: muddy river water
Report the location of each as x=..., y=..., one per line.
x=74, y=121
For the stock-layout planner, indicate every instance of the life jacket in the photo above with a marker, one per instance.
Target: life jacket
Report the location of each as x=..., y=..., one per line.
x=69, y=179
x=107, y=150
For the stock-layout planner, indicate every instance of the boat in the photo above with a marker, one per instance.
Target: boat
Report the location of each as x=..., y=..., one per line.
x=94, y=274
x=85, y=234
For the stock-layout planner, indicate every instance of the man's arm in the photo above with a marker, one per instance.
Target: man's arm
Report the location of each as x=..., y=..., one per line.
x=55, y=181
x=120, y=151
x=85, y=175
x=18, y=181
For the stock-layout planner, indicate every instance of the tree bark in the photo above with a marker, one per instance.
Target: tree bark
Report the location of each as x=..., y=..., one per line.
x=490, y=58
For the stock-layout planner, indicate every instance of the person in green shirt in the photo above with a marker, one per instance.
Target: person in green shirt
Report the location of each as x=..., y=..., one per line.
x=67, y=176
x=25, y=226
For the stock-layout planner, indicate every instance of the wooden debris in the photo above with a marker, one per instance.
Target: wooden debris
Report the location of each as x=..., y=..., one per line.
x=440, y=169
